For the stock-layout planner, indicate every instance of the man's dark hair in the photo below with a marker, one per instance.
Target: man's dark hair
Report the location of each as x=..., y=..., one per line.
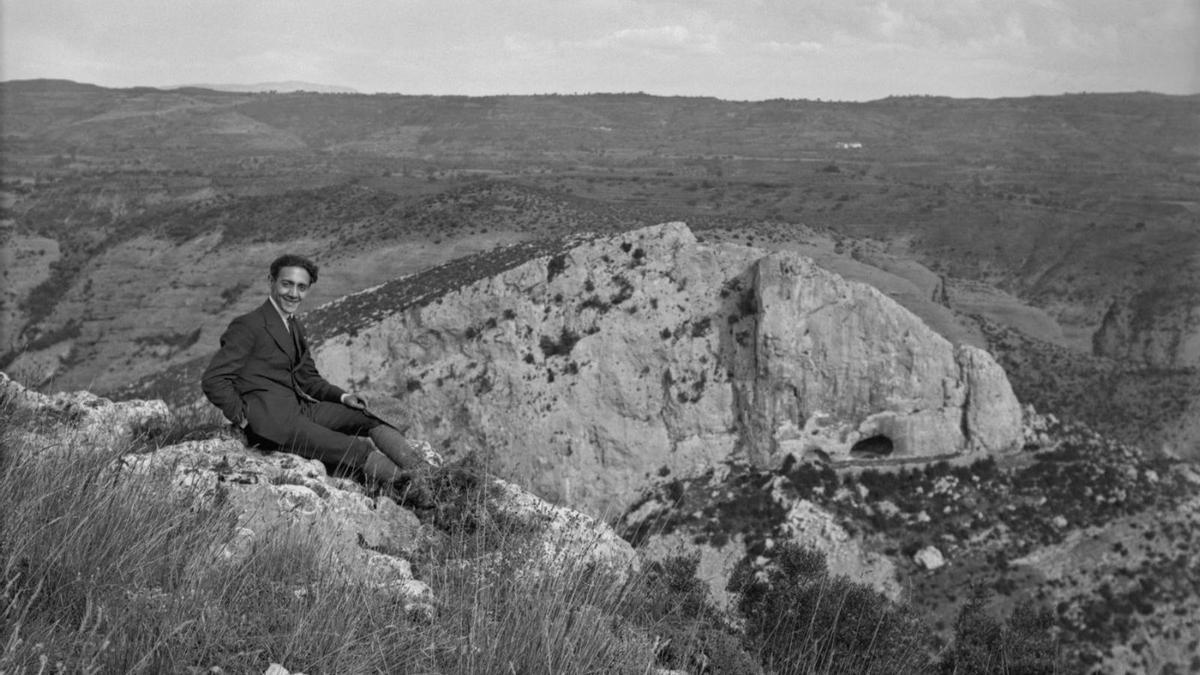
x=293, y=260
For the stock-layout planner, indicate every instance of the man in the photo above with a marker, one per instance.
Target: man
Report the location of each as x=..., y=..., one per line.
x=264, y=380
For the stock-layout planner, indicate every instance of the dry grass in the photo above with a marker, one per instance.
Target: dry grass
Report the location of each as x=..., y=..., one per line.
x=104, y=572
x=99, y=573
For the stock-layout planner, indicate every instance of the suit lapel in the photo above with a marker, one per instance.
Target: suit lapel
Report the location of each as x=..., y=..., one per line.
x=275, y=328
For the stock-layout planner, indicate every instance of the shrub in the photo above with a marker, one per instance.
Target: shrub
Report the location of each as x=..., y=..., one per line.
x=693, y=635
x=560, y=347
x=801, y=619
x=556, y=266
x=984, y=646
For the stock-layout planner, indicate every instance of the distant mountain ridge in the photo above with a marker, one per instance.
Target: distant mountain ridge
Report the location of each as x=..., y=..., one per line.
x=284, y=87
x=292, y=86
x=287, y=86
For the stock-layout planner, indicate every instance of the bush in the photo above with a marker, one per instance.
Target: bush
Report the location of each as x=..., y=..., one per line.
x=800, y=619
x=984, y=646
x=693, y=635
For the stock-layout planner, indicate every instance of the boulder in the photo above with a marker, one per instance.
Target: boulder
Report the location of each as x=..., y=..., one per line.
x=929, y=558
x=589, y=370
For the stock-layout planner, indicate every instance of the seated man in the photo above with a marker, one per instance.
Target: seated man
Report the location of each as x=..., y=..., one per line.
x=264, y=380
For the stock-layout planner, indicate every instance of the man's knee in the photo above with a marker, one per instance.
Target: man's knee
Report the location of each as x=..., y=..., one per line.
x=341, y=418
x=331, y=447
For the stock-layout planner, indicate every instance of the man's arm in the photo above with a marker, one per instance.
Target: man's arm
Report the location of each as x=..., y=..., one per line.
x=314, y=384
x=218, y=380
x=311, y=381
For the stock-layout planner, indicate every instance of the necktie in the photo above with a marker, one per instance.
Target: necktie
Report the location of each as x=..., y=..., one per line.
x=294, y=329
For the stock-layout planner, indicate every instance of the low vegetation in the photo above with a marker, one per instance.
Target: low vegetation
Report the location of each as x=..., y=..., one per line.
x=101, y=572
x=1114, y=516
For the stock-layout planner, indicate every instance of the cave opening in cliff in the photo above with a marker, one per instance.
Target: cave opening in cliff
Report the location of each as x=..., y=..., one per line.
x=873, y=446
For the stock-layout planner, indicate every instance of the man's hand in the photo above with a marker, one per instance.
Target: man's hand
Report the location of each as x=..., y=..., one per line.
x=239, y=429
x=354, y=401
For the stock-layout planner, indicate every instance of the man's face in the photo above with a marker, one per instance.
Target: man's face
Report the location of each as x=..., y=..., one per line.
x=289, y=288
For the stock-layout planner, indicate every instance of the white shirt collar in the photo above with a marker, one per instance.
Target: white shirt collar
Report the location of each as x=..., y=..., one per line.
x=282, y=315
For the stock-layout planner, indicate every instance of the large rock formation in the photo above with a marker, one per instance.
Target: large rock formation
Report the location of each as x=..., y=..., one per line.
x=601, y=363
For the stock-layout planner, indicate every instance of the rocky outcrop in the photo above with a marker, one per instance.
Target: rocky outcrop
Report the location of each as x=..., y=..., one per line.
x=992, y=419
x=591, y=369
x=842, y=370
x=368, y=535
x=85, y=415
x=1159, y=328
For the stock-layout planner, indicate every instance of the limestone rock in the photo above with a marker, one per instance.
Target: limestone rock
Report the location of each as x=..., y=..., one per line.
x=370, y=537
x=930, y=558
x=85, y=415
x=992, y=414
x=565, y=536
x=596, y=367
x=581, y=373
x=839, y=364
x=1167, y=336
x=813, y=527
x=272, y=490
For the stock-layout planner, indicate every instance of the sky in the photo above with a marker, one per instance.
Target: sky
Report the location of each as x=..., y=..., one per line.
x=730, y=49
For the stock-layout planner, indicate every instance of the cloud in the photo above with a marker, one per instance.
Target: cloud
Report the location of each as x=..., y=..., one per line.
x=790, y=48
x=746, y=49
x=673, y=38
x=525, y=46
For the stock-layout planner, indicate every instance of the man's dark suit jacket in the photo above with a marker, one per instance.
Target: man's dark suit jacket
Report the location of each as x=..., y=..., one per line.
x=255, y=375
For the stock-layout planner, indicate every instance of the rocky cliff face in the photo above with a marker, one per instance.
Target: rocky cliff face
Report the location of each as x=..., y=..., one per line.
x=1160, y=329
x=588, y=369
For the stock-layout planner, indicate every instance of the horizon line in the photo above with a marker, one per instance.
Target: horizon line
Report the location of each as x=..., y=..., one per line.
x=248, y=89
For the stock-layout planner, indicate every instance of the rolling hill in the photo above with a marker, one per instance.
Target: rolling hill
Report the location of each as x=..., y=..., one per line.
x=137, y=220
